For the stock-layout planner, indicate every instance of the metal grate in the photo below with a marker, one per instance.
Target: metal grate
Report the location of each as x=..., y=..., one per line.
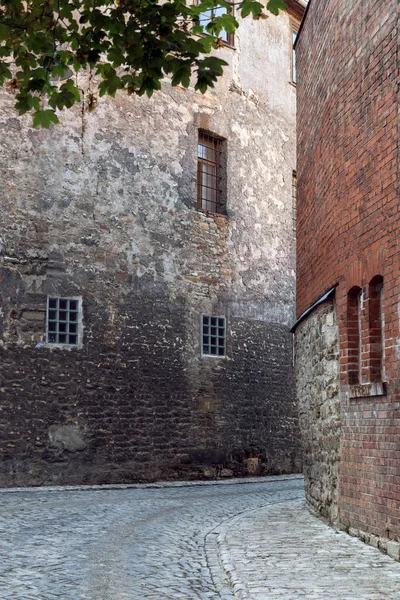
x=210, y=193
x=214, y=336
x=63, y=321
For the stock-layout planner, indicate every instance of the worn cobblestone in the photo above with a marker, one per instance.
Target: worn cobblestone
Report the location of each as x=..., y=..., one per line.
x=284, y=552
x=254, y=541
x=122, y=544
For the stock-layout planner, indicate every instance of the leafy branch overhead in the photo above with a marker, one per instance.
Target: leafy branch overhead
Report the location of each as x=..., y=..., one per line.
x=126, y=44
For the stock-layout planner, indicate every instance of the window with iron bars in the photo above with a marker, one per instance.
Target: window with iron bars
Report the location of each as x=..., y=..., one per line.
x=211, y=173
x=64, y=321
x=213, y=336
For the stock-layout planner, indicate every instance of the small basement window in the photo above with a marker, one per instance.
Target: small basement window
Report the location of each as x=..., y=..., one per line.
x=213, y=336
x=64, y=321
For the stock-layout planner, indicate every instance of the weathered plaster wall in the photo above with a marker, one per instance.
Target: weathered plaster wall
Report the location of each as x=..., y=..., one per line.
x=103, y=206
x=317, y=382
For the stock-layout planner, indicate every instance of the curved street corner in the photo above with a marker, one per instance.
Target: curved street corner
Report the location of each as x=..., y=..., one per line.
x=251, y=539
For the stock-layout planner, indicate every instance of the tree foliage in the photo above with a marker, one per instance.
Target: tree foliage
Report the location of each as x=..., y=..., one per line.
x=124, y=44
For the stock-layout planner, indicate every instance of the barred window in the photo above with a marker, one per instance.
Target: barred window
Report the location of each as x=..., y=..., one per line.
x=213, y=336
x=64, y=322
x=211, y=173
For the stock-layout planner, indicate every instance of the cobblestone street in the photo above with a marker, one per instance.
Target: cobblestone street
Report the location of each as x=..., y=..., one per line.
x=252, y=541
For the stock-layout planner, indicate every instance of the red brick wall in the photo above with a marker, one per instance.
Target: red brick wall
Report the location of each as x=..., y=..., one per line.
x=348, y=229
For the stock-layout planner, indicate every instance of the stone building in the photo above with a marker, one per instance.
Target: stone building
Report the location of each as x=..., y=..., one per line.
x=147, y=279
x=347, y=333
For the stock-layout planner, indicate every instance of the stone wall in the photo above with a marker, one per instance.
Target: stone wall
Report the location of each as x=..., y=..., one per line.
x=317, y=382
x=103, y=207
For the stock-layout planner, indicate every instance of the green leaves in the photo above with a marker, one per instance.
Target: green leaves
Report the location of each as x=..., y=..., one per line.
x=251, y=7
x=128, y=44
x=209, y=70
x=181, y=72
x=67, y=96
x=26, y=102
x=275, y=6
x=110, y=85
x=111, y=81
x=5, y=73
x=44, y=118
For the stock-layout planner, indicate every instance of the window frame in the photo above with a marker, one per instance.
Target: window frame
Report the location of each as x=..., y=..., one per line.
x=220, y=164
x=209, y=316
x=79, y=321
x=294, y=30
x=230, y=37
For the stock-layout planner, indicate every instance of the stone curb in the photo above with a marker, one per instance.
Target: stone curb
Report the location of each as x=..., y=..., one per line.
x=238, y=590
x=219, y=561
x=156, y=485
x=218, y=573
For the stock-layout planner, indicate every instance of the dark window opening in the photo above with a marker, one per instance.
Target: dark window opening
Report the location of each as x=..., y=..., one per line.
x=375, y=318
x=353, y=334
x=63, y=321
x=213, y=336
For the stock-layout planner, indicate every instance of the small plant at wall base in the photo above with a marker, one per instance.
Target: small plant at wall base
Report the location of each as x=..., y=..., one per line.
x=126, y=44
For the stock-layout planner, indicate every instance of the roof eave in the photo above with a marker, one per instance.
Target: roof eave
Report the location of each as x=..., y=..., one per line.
x=302, y=23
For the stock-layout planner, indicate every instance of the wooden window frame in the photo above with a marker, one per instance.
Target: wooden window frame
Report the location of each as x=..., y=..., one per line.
x=294, y=29
x=230, y=37
x=205, y=204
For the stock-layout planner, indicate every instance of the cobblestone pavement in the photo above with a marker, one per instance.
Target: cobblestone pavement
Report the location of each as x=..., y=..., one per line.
x=120, y=544
x=252, y=541
x=283, y=552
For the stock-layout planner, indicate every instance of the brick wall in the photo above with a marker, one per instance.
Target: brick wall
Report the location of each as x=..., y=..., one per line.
x=348, y=108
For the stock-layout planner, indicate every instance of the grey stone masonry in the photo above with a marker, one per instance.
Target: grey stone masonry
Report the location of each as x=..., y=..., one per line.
x=317, y=382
